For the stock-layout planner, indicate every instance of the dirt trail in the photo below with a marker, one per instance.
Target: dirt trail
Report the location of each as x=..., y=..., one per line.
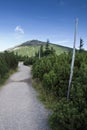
x=19, y=107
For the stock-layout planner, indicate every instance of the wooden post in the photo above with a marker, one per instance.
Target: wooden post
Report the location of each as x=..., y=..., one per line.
x=73, y=59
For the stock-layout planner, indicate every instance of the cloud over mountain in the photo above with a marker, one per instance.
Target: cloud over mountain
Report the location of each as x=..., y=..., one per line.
x=19, y=29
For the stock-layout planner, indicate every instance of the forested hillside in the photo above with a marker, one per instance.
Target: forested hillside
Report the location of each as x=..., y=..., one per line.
x=29, y=48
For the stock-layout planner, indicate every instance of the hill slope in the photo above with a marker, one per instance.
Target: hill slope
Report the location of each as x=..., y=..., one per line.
x=29, y=48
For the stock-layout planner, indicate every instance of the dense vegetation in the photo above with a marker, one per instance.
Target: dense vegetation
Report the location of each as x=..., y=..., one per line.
x=54, y=71
x=7, y=61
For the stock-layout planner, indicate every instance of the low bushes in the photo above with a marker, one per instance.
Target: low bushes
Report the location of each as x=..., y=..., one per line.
x=7, y=61
x=29, y=60
x=54, y=71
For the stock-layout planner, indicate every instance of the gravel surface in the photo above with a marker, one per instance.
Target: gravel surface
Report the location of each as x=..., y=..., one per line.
x=19, y=107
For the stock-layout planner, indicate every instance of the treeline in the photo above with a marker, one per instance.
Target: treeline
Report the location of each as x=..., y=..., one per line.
x=42, y=52
x=7, y=61
x=54, y=71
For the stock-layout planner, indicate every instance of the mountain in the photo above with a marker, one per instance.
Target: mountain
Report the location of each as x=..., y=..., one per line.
x=33, y=42
x=29, y=48
x=37, y=43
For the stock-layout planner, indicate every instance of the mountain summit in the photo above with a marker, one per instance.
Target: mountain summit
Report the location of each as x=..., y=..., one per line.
x=33, y=42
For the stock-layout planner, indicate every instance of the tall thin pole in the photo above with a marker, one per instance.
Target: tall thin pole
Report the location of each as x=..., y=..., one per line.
x=73, y=59
x=39, y=53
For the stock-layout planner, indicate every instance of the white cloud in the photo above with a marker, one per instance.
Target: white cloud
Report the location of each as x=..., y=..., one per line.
x=19, y=34
x=19, y=29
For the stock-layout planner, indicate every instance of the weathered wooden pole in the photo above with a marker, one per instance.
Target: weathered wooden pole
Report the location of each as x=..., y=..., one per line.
x=73, y=59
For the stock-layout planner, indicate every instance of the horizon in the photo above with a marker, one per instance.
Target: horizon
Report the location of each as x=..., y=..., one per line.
x=24, y=20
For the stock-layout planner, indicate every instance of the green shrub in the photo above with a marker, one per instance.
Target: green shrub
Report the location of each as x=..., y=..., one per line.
x=7, y=61
x=41, y=67
x=29, y=61
x=54, y=72
x=65, y=116
x=49, y=80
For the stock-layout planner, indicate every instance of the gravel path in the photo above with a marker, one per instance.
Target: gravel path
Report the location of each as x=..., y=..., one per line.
x=19, y=107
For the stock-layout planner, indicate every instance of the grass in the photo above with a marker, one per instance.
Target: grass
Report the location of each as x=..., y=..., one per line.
x=26, y=50
x=48, y=99
x=4, y=79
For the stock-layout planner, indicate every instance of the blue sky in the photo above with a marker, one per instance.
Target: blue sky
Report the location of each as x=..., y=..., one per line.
x=23, y=20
